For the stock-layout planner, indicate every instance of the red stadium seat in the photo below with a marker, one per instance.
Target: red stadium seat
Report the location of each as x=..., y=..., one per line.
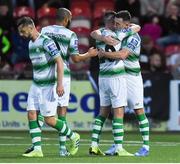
x=46, y=12
x=46, y=16
x=81, y=10
x=23, y=11
x=80, y=31
x=105, y=1
x=172, y=49
x=101, y=7
x=81, y=26
x=96, y=24
x=80, y=2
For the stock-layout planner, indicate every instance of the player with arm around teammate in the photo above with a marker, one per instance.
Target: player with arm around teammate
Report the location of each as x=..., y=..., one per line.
x=67, y=43
x=112, y=91
x=130, y=55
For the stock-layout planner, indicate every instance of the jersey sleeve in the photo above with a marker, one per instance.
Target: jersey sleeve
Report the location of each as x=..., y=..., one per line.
x=73, y=46
x=51, y=48
x=101, y=30
x=132, y=44
x=98, y=42
x=124, y=33
x=45, y=30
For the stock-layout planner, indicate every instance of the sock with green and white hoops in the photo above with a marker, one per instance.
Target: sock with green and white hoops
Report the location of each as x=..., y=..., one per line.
x=144, y=129
x=64, y=129
x=97, y=128
x=118, y=132
x=35, y=133
x=62, y=138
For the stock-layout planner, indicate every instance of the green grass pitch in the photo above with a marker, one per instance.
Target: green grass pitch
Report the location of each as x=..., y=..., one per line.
x=165, y=148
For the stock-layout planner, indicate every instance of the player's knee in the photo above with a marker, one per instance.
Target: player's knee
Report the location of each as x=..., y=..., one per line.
x=49, y=121
x=32, y=115
x=105, y=113
x=139, y=111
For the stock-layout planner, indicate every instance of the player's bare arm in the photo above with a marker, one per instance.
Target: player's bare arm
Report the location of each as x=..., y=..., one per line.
x=92, y=52
x=135, y=28
x=122, y=54
x=96, y=34
x=60, y=73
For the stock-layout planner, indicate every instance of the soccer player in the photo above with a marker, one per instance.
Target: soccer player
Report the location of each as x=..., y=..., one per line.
x=129, y=53
x=112, y=91
x=67, y=43
x=43, y=92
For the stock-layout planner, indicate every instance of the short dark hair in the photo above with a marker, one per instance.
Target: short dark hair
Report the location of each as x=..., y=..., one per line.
x=62, y=13
x=109, y=16
x=25, y=21
x=124, y=14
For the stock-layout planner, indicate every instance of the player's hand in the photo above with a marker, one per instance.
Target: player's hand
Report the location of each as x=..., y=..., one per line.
x=110, y=41
x=60, y=90
x=92, y=52
x=100, y=53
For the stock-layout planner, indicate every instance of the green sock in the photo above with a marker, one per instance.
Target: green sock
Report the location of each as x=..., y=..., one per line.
x=144, y=129
x=64, y=129
x=40, y=120
x=118, y=132
x=35, y=133
x=62, y=138
x=97, y=128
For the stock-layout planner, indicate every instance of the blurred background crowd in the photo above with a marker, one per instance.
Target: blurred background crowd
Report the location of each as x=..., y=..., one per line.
x=160, y=33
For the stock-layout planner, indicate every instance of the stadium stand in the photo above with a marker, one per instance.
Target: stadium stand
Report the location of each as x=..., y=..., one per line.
x=87, y=16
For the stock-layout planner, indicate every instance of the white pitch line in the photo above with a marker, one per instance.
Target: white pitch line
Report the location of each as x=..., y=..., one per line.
x=10, y=137
x=104, y=142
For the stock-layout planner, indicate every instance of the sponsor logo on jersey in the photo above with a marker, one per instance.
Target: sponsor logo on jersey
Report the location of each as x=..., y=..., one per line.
x=51, y=47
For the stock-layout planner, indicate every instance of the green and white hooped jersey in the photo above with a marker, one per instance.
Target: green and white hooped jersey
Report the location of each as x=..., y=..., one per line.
x=42, y=53
x=131, y=63
x=66, y=41
x=109, y=67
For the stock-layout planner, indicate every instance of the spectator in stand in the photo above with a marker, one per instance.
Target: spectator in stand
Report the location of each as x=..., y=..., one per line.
x=152, y=28
x=20, y=49
x=4, y=50
x=152, y=7
x=6, y=20
x=157, y=63
x=171, y=27
x=29, y=3
x=5, y=31
x=174, y=65
x=52, y=3
x=169, y=4
x=20, y=56
x=147, y=49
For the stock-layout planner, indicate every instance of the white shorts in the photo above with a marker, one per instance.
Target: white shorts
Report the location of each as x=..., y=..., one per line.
x=134, y=91
x=64, y=100
x=113, y=91
x=43, y=99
